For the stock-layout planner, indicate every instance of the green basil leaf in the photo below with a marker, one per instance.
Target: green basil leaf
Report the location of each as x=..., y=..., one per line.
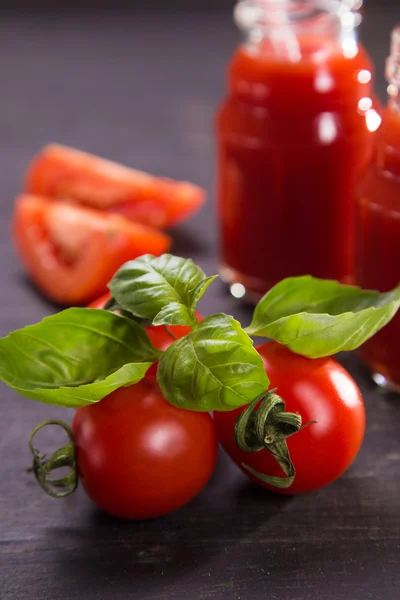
x=75, y=357
x=164, y=289
x=215, y=367
x=320, y=317
x=173, y=314
x=113, y=306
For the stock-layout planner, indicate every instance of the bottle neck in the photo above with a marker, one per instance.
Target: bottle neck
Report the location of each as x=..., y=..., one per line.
x=387, y=148
x=393, y=71
x=288, y=28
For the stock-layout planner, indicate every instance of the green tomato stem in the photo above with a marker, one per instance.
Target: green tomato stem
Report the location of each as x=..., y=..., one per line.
x=111, y=305
x=264, y=424
x=63, y=457
x=169, y=332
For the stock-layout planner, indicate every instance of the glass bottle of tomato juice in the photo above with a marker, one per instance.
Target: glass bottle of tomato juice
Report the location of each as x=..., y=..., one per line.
x=378, y=227
x=293, y=135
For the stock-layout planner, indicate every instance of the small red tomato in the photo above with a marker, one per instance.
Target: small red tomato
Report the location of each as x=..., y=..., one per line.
x=71, y=252
x=318, y=389
x=161, y=337
x=100, y=302
x=138, y=456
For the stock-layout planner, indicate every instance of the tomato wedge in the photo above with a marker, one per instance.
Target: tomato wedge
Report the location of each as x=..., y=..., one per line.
x=66, y=173
x=72, y=252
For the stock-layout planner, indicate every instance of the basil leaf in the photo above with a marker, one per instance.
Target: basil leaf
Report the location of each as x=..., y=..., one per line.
x=163, y=289
x=214, y=367
x=320, y=317
x=75, y=357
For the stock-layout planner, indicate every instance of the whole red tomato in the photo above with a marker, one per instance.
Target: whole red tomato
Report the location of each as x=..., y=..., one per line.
x=319, y=389
x=138, y=456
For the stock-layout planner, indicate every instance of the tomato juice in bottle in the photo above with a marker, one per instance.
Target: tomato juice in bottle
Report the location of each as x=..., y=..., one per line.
x=378, y=228
x=293, y=133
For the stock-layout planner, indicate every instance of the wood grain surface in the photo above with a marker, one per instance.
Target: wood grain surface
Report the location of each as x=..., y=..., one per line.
x=142, y=89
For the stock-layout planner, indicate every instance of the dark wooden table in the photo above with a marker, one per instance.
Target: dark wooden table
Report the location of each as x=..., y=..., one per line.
x=142, y=89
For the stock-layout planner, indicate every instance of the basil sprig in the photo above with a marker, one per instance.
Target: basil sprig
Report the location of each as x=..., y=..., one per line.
x=80, y=355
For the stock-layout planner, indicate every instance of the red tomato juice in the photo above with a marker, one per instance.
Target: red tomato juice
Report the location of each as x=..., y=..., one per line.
x=378, y=243
x=293, y=135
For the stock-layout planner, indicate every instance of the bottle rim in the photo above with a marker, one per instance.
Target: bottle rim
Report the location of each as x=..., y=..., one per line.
x=266, y=14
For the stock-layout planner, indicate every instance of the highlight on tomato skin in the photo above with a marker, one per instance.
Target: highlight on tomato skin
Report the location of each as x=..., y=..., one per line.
x=62, y=172
x=72, y=252
x=138, y=456
x=318, y=389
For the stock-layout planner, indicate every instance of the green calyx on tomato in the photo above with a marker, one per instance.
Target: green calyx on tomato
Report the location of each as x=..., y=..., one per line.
x=265, y=424
x=42, y=467
x=321, y=391
x=79, y=356
x=138, y=457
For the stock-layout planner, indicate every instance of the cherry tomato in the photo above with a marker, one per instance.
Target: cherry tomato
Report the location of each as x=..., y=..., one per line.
x=319, y=389
x=161, y=337
x=138, y=456
x=71, y=252
x=100, y=302
x=62, y=172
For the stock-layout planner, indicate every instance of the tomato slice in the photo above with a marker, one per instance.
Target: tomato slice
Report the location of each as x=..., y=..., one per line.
x=72, y=252
x=66, y=173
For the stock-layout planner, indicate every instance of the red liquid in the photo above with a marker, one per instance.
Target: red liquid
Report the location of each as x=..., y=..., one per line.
x=378, y=242
x=292, y=141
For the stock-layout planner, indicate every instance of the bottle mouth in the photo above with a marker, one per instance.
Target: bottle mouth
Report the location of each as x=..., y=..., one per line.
x=267, y=14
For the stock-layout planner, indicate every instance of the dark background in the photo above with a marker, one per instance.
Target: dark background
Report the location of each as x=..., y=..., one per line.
x=141, y=86
x=146, y=5
x=143, y=6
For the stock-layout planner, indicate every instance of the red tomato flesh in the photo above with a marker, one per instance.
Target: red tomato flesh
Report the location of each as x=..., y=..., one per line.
x=66, y=173
x=72, y=252
x=138, y=456
x=317, y=389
